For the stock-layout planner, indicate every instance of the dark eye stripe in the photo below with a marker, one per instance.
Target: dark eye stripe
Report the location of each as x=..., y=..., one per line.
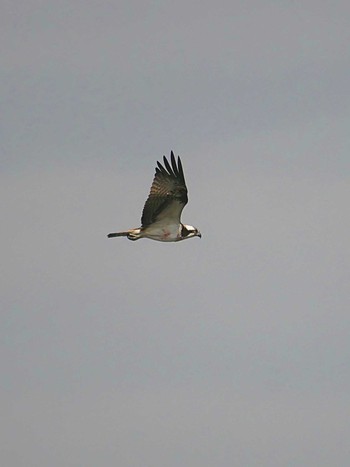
x=184, y=231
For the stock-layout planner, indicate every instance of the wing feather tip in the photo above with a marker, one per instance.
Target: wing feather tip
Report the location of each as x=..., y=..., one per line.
x=168, y=166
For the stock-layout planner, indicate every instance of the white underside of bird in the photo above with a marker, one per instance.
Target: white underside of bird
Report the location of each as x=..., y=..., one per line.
x=159, y=231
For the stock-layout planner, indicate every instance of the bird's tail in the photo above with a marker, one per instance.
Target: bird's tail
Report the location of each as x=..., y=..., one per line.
x=132, y=234
x=118, y=234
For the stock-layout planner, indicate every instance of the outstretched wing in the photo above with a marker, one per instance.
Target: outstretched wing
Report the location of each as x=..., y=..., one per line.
x=168, y=195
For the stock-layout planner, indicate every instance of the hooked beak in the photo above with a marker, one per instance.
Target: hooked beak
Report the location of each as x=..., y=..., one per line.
x=199, y=235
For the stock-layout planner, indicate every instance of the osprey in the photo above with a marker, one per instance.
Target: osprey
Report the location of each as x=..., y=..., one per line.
x=162, y=211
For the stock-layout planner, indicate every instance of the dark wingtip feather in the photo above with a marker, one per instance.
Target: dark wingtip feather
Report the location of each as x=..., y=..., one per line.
x=168, y=166
x=160, y=169
x=180, y=169
x=173, y=163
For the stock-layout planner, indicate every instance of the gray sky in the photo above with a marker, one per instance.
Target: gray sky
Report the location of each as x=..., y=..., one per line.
x=229, y=350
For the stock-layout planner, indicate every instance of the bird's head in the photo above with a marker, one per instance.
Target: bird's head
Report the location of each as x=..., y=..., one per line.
x=188, y=231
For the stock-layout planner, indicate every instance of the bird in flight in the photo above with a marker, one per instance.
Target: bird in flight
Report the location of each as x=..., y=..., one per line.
x=162, y=211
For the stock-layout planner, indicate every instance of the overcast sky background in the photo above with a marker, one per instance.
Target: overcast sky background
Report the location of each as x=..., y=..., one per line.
x=232, y=349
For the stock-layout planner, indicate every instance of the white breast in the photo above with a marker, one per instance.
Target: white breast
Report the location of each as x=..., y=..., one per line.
x=163, y=232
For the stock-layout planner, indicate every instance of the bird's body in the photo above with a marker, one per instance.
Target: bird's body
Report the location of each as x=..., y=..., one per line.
x=162, y=211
